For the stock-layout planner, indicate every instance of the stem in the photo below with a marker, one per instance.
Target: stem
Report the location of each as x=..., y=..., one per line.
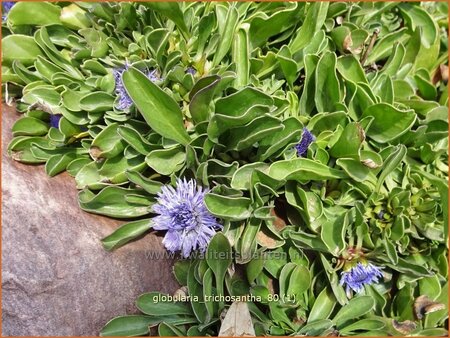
x=369, y=48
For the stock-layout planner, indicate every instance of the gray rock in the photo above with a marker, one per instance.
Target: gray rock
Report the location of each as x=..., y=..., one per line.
x=56, y=277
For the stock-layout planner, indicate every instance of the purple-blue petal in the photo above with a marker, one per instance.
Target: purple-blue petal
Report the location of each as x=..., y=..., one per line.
x=305, y=142
x=125, y=100
x=54, y=120
x=182, y=212
x=190, y=70
x=360, y=275
x=6, y=7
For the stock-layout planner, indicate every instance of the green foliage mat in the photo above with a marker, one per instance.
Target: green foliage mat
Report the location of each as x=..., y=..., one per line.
x=320, y=130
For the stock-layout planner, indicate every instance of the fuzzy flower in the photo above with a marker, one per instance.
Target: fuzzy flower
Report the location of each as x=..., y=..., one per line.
x=153, y=75
x=190, y=70
x=360, y=275
x=6, y=7
x=125, y=100
x=54, y=120
x=305, y=142
x=182, y=212
x=380, y=215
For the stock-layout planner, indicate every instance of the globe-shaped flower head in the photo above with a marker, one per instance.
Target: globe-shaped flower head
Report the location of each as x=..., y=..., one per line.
x=359, y=275
x=182, y=212
x=6, y=7
x=305, y=142
x=125, y=100
x=54, y=120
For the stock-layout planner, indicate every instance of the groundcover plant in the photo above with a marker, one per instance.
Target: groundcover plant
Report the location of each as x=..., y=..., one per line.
x=292, y=155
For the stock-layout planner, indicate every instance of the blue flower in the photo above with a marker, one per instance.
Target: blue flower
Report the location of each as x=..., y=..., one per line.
x=191, y=70
x=7, y=5
x=153, y=75
x=305, y=142
x=360, y=275
x=54, y=120
x=125, y=100
x=182, y=212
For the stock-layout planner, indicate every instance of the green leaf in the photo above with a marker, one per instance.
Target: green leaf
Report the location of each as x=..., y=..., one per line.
x=327, y=93
x=181, y=270
x=412, y=269
x=20, y=148
x=384, y=46
x=34, y=14
x=233, y=208
x=228, y=34
x=166, y=161
x=350, y=68
x=303, y=169
x=355, y=308
x=241, y=56
x=112, y=202
x=333, y=233
x=150, y=186
x=167, y=330
x=135, y=139
x=126, y=233
x=349, y=142
x=280, y=139
x=299, y=282
x=173, y=11
x=208, y=291
x=284, y=277
x=356, y=170
x=26, y=75
x=333, y=278
x=367, y=324
x=130, y=326
x=390, y=164
x=262, y=27
x=58, y=163
x=218, y=257
x=21, y=48
x=97, y=102
x=29, y=126
x=304, y=240
x=241, y=138
x=159, y=110
x=196, y=292
x=316, y=328
x=151, y=304
x=288, y=65
x=315, y=18
x=323, y=306
x=201, y=96
x=434, y=332
x=435, y=318
x=415, y=17
x=254, y=268
x=234, y=114
x=247, y=244
x=391, y=251
x=389, y=122
x=242, y=177
x=306, y=103
x=107, y=143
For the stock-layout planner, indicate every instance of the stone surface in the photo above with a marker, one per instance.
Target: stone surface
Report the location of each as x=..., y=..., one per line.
x=56, y=277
